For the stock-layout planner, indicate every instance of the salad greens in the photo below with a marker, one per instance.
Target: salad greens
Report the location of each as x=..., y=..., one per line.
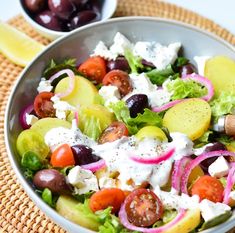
x=31, y=161
x=133, y=61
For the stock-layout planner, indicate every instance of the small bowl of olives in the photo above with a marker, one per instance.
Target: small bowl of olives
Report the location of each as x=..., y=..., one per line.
x=55, y=18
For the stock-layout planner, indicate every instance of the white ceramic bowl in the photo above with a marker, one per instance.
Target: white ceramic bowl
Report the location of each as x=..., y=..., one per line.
x=108, y=9
x=79, y=44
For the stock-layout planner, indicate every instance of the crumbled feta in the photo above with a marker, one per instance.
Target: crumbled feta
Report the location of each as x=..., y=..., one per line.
x=161, y=56
x=110, y=94
x=219, y=168
x=82, y=180
x=102, y=51
x=30, y=119
x=201, y=62
x=44, y=85
x=200, y=150
x=232, y=195
x=210, y=210
x=61, y=107
x=106, y=182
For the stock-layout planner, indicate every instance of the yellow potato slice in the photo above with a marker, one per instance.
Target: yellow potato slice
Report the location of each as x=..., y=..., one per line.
x=191, y=117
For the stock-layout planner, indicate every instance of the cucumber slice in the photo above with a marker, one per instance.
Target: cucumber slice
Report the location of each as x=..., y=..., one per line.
x=31, y=140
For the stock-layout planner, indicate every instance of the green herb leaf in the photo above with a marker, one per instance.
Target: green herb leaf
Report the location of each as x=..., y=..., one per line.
x=224, y=139
x=47, y=196
x=31, y=161
x=181, y=61
x=82, y=197
x=65, y=170
x=133, y=61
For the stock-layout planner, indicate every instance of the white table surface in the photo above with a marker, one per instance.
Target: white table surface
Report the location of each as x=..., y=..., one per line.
x=221, y=11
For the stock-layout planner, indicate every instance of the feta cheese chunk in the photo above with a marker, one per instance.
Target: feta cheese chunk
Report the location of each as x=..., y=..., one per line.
x=106, y=182
x=82, y=180
x=161, y=56
x=219, y=168
x=102, y=51
x=30, y=119
x=110, y=94
x=44, y=85
x=210, y=210
x=201, y=62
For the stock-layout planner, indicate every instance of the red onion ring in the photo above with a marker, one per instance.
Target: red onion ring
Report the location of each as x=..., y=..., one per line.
x=76, y=118
x=71, y=75
x=230, y=183
x=22, y=117
x=197, y=161
x=177, y=173
x=197, y=78
x=125, y=222
x=93, y=167
x=156, y=160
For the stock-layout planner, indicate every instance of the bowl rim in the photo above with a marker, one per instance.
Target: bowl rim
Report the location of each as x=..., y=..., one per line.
x=46, y=209
x=53, y=32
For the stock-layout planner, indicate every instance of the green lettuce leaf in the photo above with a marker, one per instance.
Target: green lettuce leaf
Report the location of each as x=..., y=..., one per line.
x=92, y=128
x=122, y=113
x=133, y=61
x=185, y=89
x=223, y=104
x=168, y=216
x=48, y=197
x=179, y=62
x=31, y=161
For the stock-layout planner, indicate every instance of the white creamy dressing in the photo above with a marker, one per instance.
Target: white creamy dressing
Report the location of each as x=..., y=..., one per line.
x=117, y=154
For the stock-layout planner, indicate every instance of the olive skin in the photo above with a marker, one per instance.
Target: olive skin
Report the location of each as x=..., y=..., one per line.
x=137, y=103
x=187, y=69
x=35, y=6
x=51, y=179
x=49, y=20
x=119, y=64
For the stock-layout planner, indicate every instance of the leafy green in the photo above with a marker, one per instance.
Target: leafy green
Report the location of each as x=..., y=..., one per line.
x=168, y=216
x=159, y=76
x=133, y=61
x=82, y=197
x=204, y=139
x=122, y=113
x=224, y=139
x=31, y=161
x=28, y=174
x=92, y=127
x=181, y=61
x=65, y=170
x=47, y=196
x=223, y=104
x=182, y=89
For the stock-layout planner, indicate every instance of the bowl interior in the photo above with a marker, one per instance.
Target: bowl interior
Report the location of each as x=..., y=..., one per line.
x=79, y=44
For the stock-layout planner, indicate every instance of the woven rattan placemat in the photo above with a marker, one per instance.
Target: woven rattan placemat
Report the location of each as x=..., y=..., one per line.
x=17, y=212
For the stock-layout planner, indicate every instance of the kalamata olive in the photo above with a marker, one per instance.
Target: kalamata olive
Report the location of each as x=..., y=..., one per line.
x=187, y=69
x=51, y=179
x=62, y=8
x=83, y=155
x=137, y=103
x=82, y=18
x=49, y=20
x=35, y=5
x=79, y=3
x=207, y=162
x=119, y=64
x=147, y=63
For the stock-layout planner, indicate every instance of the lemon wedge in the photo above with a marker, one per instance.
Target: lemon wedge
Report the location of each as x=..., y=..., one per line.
x=16, y=46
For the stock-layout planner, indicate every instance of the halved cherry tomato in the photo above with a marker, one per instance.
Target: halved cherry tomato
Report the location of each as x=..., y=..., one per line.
x=62, y=156
x=43, y=106
x=143, y=207
x=115, y=131
x=109, y=197
x=207, y=187
x=94, y=68
x=120, y=79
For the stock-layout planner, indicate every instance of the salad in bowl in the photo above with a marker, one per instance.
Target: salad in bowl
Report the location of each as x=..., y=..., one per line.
x=131, y=139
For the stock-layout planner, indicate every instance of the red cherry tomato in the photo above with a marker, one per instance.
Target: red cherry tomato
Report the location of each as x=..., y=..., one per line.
x=143, y=207
x=120, y=79
x=207, y=187
x=62, y=156
x=43, y=106
x=94, y=68
x=109, y=197
x=115, y=131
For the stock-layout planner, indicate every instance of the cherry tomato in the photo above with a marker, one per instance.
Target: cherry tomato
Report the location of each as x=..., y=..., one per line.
x=115, y=131
x=62, y=156
x=143, y=207
x=43, y=106
x=207, y=187
x=109, y=197
x=94, y=68
x=120, y=79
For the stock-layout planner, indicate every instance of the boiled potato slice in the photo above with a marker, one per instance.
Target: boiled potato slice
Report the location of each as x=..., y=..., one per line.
x=84, y=92
x=187, y=223
x=191, y=117
x=221, y=71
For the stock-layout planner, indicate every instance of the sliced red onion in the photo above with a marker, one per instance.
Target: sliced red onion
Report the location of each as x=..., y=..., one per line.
x=156, y=160
x=125, y=222
x=71, y=75
x=177, y=173
x=166, y=106
x=197, y=161
x=76, y=118
x=22, y=117
x=205, y=82
x=94, y=166
x=230, y=183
